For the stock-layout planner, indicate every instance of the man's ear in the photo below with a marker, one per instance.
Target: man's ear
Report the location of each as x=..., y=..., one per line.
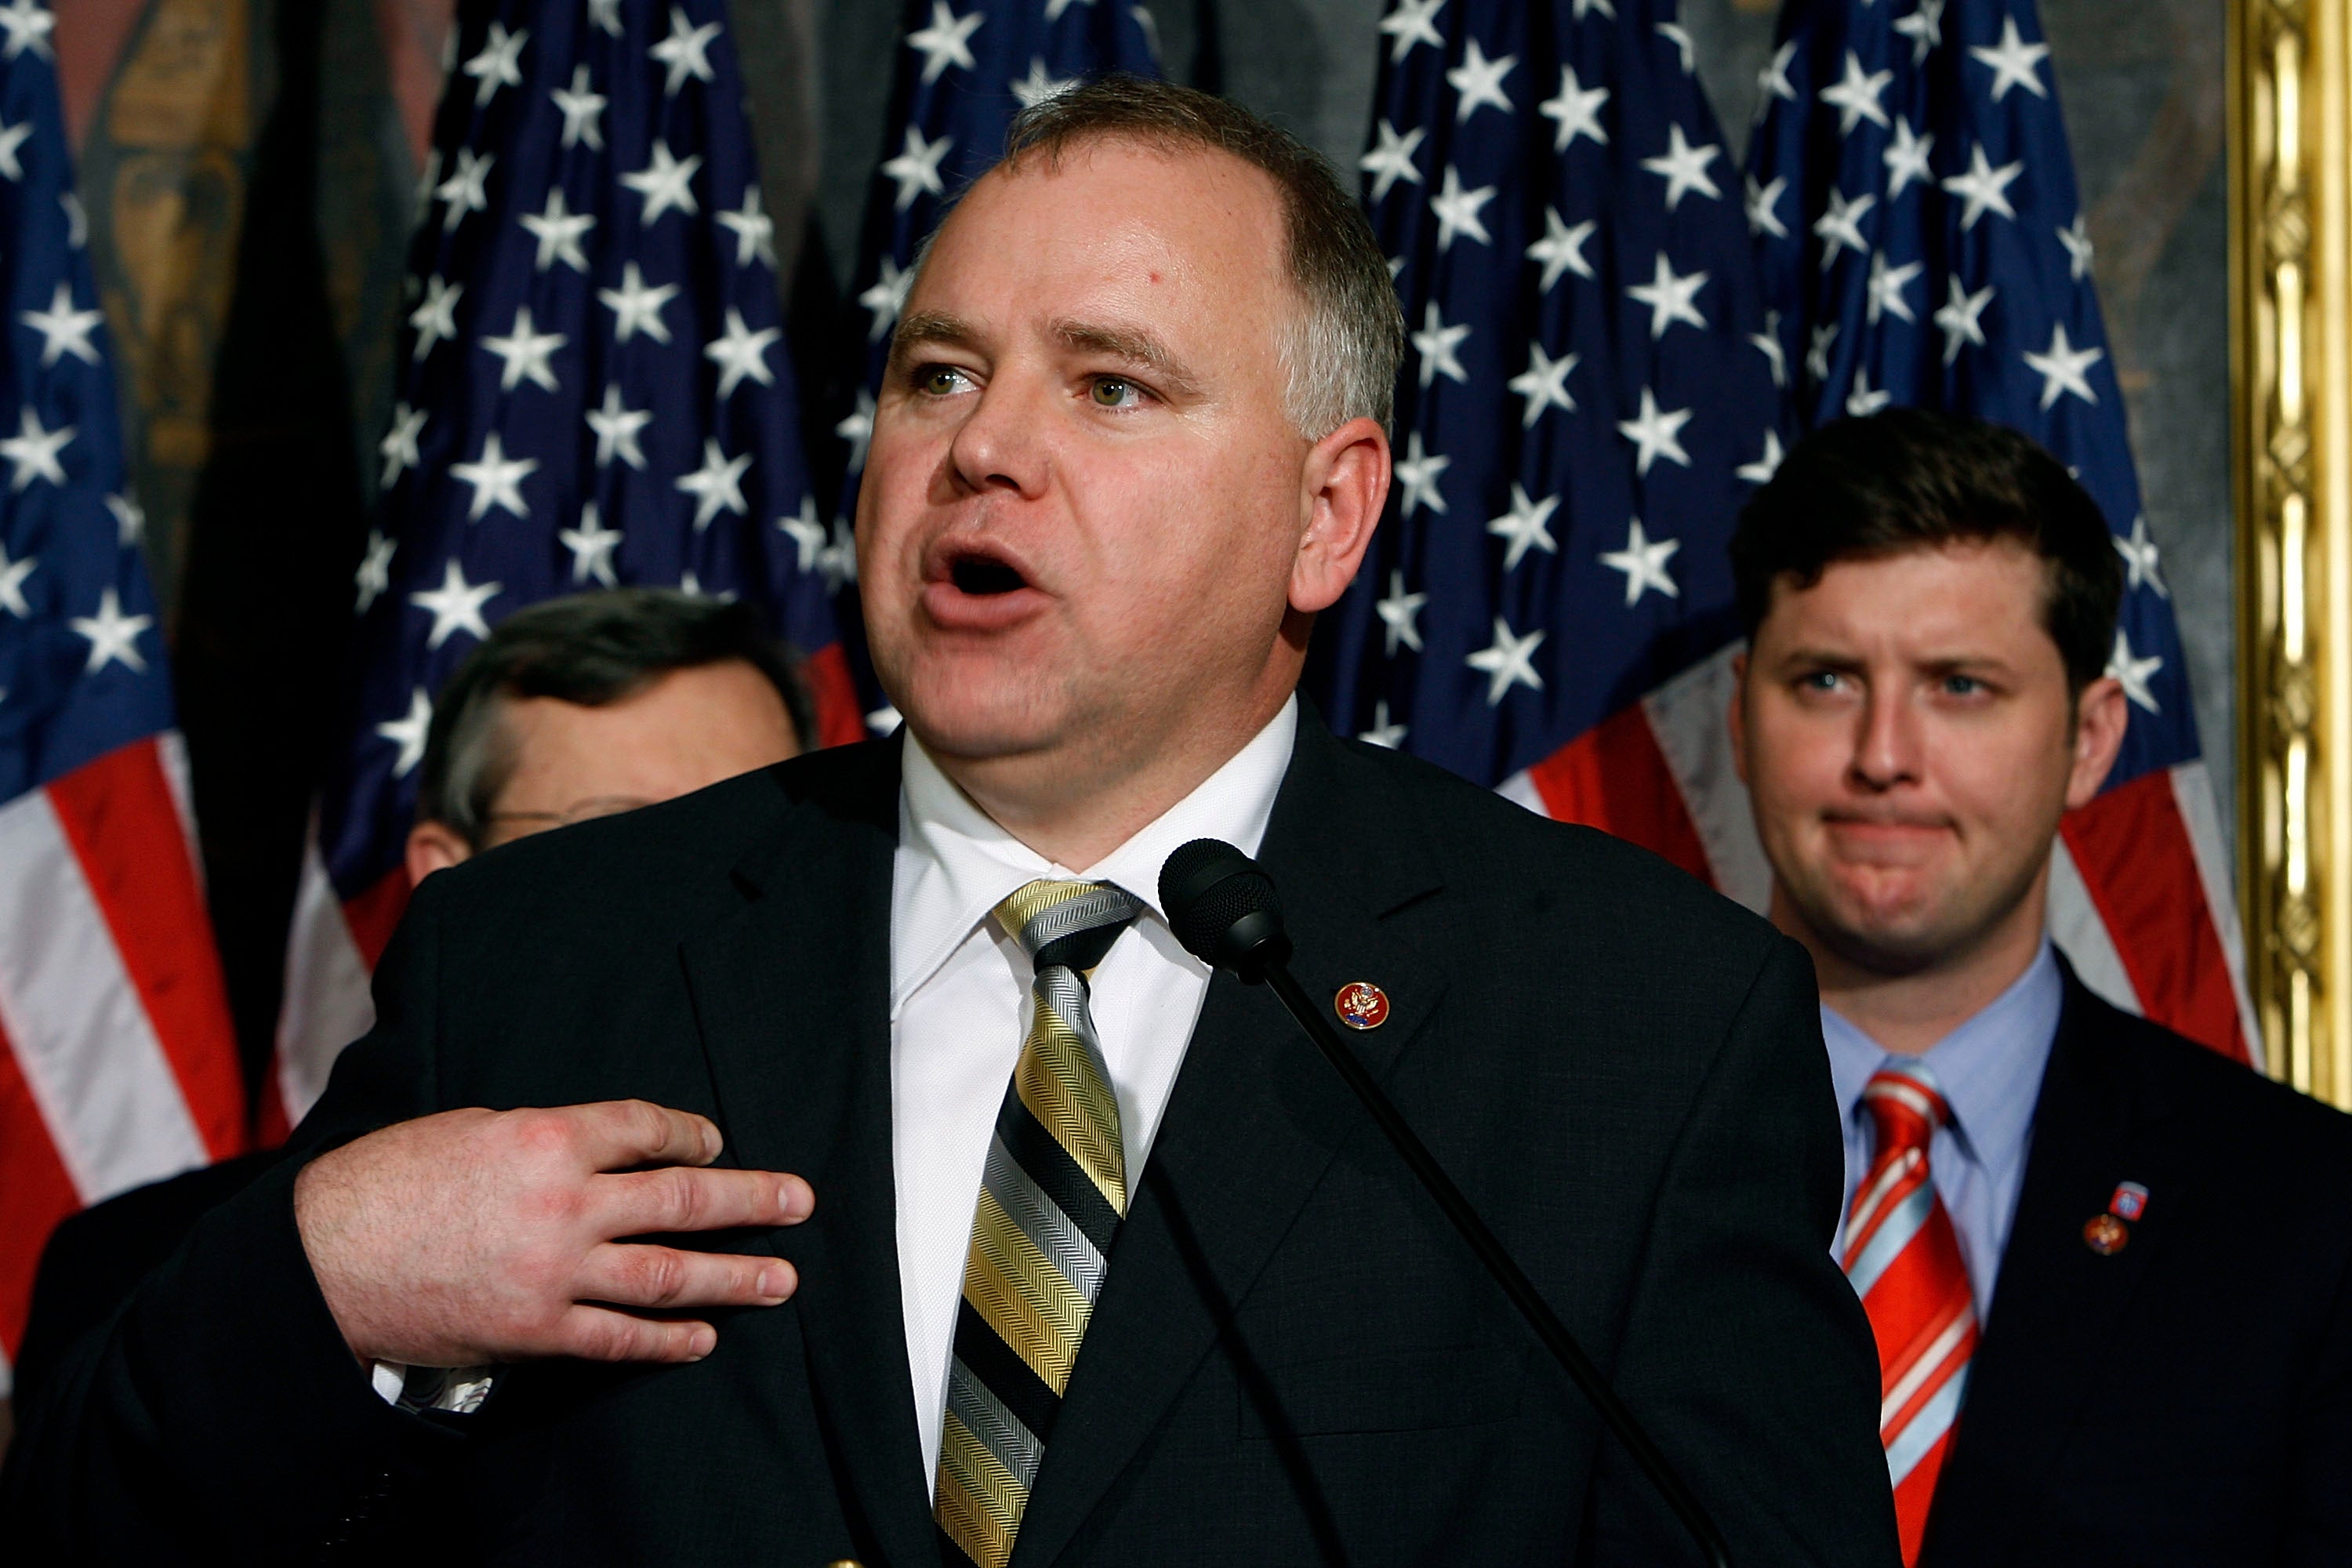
x=1736, y=721
x=1343, y=490
x=434, y=846
x=2101, y=714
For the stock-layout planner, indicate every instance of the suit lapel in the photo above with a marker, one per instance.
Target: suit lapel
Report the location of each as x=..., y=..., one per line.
x=1254, y=1118
x=791, y=995
x=2058, y=1302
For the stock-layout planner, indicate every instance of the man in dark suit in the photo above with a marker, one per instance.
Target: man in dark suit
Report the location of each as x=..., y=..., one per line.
x=574, y=707
x=2111, y=1295
x=1088, y=1259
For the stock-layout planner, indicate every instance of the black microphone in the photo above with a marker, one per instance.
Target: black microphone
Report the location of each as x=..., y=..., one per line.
x=1223, y=908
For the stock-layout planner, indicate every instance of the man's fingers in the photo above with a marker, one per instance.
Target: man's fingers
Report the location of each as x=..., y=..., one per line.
x=615, y=1134
x=681, y=1198
x=600, y=1333
x=638, y=1274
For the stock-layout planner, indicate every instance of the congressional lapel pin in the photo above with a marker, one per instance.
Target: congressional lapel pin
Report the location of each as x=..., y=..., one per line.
x=1361, y=1006
x=2108, y=1232
x=2106, y=1235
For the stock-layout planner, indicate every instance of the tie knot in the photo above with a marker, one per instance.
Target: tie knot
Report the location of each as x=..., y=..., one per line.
x=1067, y=924
x=1906, y=1104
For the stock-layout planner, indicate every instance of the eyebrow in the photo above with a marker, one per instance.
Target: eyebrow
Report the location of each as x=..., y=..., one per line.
x=1946, y=663
x=1796, y=656
x=932, y=329
x=1135, y=345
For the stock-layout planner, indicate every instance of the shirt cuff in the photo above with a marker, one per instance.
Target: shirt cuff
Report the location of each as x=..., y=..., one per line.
x=459, y=1389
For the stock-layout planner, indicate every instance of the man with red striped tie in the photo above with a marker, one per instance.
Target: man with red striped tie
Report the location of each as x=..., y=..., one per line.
x=2109, y=1272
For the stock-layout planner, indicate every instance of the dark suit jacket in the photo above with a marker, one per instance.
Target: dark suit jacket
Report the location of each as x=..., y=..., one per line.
x=95, y=1259
x=2187, y=1399
x=1294, y=1359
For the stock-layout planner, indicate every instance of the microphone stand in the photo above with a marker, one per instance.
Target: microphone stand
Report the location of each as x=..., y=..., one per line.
x=1499, y=1263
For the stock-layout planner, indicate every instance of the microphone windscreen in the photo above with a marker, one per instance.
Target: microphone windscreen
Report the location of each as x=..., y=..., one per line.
x=1208, y=887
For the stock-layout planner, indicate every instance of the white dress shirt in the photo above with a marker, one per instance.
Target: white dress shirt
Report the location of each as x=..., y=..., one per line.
x=960, y=1006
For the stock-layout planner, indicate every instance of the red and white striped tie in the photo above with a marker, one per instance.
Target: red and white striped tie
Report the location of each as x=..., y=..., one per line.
x=1904, y=1261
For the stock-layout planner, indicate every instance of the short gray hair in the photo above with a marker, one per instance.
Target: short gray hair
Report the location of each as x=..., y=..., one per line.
x=1341, y=353
x=587, y=649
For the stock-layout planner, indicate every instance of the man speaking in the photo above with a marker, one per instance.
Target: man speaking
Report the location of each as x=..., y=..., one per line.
x=1085, y=1257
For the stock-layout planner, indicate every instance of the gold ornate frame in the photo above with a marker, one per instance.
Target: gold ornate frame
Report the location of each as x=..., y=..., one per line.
x=2291, y=370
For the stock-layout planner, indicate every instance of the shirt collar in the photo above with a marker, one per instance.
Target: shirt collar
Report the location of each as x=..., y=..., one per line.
x=955, y=864
x=1990, y=1067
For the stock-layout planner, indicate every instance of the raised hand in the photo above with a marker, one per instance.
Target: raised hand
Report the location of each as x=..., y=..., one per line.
x=479, y=1236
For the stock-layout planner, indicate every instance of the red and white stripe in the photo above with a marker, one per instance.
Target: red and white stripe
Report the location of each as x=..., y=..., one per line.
x=2139, y=889
x=331, y=949
x=118, y=1059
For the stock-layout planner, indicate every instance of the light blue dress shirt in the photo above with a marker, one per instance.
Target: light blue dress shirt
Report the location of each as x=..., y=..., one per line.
x=1990, y=1070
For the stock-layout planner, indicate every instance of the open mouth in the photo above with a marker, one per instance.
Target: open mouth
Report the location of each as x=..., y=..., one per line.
x=984, y=576
x=975, y=587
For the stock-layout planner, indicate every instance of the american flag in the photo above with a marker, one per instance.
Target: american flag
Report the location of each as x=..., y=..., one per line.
x=1590, y=399
x=963, y=73
x=594, y=392
x=118, y=1062
x=1923, y=242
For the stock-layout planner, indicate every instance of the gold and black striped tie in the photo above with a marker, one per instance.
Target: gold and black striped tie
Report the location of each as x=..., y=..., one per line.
x=1051, y=1200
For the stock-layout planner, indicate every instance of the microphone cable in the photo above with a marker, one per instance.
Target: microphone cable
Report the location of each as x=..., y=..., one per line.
x=1223, y=908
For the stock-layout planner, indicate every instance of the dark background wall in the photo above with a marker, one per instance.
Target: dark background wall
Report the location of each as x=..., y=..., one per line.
x=250, y=167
